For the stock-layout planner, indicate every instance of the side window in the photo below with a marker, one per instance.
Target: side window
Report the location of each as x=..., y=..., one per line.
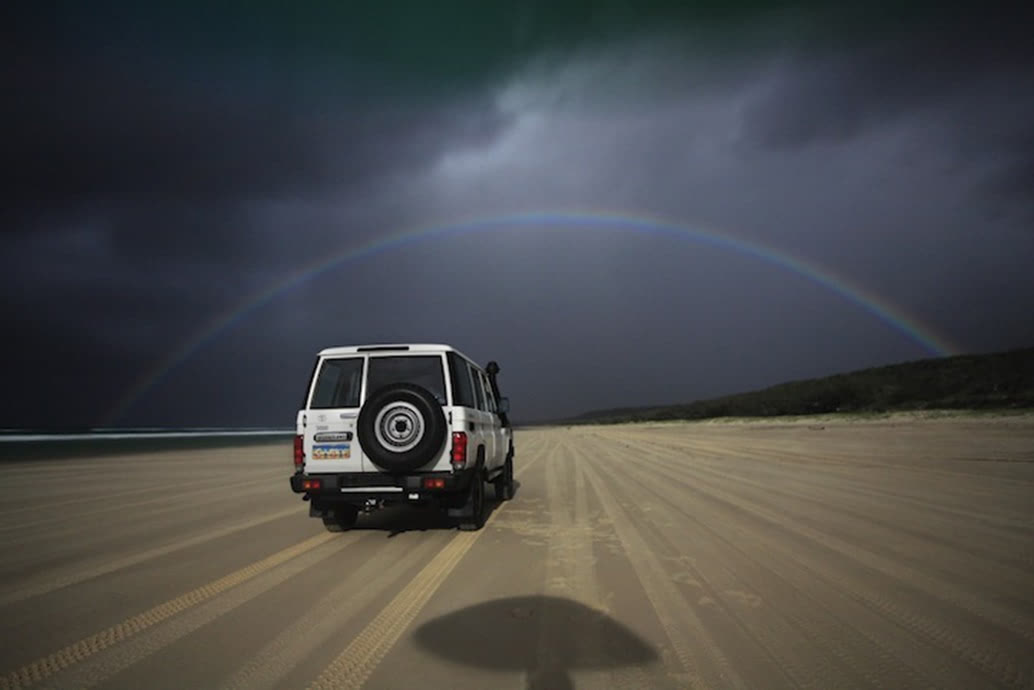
x=479, y=394
x=489, y=398
x=462, y=388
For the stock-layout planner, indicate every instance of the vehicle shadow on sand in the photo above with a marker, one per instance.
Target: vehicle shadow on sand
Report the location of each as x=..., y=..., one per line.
x=398, y=519
x=547, y=637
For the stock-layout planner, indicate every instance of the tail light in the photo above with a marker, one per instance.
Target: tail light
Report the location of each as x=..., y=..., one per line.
x=459, y=449
x=299, y=453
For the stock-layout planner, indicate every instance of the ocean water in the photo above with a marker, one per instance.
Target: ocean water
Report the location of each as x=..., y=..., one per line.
x=10, y=435
x=24, y=444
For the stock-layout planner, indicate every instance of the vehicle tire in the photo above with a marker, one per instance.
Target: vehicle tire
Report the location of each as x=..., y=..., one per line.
x=504, y=482
x=401, y=427
x=341, y=519
x=475, y=519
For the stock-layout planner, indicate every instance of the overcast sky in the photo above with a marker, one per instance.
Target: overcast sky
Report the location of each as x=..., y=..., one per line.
x=168, y=166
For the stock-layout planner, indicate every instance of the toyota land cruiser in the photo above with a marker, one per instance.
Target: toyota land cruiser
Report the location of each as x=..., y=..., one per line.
x=418, y=424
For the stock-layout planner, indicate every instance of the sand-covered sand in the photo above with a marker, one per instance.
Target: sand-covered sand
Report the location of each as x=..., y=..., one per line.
x=825, y=553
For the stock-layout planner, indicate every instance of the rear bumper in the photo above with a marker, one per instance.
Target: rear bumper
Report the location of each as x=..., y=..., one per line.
x=367, y=485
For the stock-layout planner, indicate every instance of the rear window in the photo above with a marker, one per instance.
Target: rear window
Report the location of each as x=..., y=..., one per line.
x=338, y=383
x=422, y=370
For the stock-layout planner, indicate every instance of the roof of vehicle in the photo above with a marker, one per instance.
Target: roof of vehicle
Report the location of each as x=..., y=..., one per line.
x=392, y=348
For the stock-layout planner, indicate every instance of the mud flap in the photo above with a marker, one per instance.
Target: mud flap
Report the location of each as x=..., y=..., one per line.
x=458, y=506
x=465, y=511
x=462, y=507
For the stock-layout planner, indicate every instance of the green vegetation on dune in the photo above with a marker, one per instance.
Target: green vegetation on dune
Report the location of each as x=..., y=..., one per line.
x=1003, y=380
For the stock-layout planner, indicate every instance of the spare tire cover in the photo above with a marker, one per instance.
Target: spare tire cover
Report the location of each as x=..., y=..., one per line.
x=401, y=427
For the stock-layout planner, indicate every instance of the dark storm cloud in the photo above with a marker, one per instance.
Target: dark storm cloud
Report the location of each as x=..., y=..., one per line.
x=166, y=164
x=124, y=102
x=198, y=105
x=963, y=69
x=1017, y=179
x=100, y=133
x=135, y=151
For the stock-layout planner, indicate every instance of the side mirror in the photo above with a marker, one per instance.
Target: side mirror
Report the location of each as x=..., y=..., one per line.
x=504, y=405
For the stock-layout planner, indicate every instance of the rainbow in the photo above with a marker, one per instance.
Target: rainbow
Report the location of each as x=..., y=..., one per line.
x=596, y=220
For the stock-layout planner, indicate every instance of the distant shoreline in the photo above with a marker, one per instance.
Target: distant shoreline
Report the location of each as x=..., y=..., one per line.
x=990, y=382
x=10, y=436
x=1022, y=414
x=42, y=447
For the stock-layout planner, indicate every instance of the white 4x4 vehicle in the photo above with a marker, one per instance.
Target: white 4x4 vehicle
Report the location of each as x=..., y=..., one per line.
x=386, y=424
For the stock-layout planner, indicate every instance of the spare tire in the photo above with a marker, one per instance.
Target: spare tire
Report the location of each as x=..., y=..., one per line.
x=401, y=427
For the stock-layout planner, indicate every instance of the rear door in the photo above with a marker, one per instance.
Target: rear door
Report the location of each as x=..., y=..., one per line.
x=329, y=440
x=485, y=403
x=465, y=408
x=498, y=440
x=424, y=370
